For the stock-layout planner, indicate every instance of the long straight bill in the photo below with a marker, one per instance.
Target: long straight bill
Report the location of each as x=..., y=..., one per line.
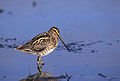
x=64, y=43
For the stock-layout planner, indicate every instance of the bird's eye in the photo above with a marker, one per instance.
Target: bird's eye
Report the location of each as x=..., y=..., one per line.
x=54, y=31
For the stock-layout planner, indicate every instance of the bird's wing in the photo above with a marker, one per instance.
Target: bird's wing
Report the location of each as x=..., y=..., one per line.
x=38, y=43
x=41, y=43
x=38, y=38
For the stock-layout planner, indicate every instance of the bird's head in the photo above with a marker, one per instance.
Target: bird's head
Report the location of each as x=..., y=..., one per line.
x=54, y=30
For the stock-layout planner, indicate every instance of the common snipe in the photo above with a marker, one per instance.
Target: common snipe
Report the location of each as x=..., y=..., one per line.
x=42, y=44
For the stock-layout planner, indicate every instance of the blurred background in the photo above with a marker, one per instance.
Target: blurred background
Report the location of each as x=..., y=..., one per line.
x=76, y=19
x=88, y=26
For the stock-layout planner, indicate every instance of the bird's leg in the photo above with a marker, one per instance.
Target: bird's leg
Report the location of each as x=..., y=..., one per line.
x=41, y=60
x=38, y=61
x=40, y=68
x=38, y=64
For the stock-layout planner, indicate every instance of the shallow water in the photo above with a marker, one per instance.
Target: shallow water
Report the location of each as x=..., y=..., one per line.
x=90, y=28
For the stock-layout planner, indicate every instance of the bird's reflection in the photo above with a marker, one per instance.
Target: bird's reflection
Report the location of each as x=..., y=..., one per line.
x=45, y=76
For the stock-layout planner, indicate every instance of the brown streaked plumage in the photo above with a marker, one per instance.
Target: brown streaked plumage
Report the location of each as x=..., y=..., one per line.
x=42, y=44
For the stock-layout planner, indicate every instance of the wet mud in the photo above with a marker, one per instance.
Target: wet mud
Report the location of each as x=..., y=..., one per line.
x=109, y=78
x=45, y=76
x=74, y=46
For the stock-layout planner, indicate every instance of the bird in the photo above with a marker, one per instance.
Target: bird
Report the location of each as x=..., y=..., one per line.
x=42, y=44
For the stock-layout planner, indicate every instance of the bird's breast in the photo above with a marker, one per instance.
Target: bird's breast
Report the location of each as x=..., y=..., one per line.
x=54, y=42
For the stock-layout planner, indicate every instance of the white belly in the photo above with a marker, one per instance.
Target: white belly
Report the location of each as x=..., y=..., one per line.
x=46, y=52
